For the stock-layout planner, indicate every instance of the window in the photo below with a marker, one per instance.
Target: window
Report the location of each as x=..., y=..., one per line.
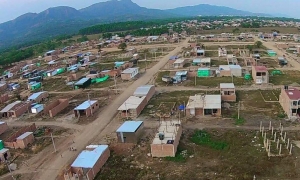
x=295, y=103
x=215, y=110
x=294, y=110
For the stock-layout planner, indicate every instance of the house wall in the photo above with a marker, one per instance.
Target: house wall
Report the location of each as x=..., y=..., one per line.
x=165, y=150
x=63, y=104
x=41, y=97
x=23, y=143
x=266, y=78
x=285, y=103
x=134, y=113
x=20, y=110
x=3, y=128
x=88, y=113
x=74, y=76
x=131, y=137
x=10, y=142
x=228, y=98
x=225, y=73
x=126, y=76
x=198, y=112
x=50, y=58
x=91, y=174
x=2, y=158
x=4, y=98
x=4, y=87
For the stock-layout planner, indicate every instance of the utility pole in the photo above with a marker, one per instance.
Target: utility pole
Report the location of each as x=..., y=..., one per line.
x=195, y=79
x=53, y=142
x=126, y=110
x=90, y=104
x=146, y=62
x=10, y=172
x=116, y=91
x=239, y=110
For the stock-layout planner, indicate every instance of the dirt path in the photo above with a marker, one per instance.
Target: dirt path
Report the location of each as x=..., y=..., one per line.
x=104, y=118
x=47, y=123
x=184, y=88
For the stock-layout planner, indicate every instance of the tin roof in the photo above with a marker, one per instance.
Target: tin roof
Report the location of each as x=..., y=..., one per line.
x=227, y=85
x=142, y=90
x=36, y=95
x=82, y=81
x=4, y=150
x=85, y=105
x=180, y=73
x=179, y=61
x=129, y=70
x=129, y=126
x=87, y=159
x=260, y=69
x=131, y=103
x=23, y=136
x=293, y=93
x=10, y=106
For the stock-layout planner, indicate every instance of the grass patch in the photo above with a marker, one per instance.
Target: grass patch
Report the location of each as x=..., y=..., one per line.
x=238, y=121
x=287, y=78
x=203, y=138
x=215, y=81
x=159, y=77
x=181, y=156
x=218, y=62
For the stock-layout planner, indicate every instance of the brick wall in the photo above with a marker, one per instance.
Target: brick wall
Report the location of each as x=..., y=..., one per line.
x=23, y=143
x=3, y=128
x=4, y=98
x=10, y=142
x=63, y=104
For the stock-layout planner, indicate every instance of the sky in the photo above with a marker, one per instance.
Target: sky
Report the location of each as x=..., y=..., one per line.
x=10, y=9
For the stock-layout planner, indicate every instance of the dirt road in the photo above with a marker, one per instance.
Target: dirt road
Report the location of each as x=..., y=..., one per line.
x=92, y=130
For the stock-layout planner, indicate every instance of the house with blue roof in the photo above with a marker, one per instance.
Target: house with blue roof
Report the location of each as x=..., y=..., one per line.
x=88, y=163
x=130, y=131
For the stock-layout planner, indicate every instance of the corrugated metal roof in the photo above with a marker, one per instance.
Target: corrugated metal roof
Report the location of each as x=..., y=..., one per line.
x=24, y=135
x=35, y=95
x=179, y=61
x=129, y=126
x=131, y=103
x=81, y=81
x=204, y=101
x=129, y=70
x=36, y=106
x=142, y=90
x=4, y=150
x=200, y=51
x=227, y=85
x=235, y=67
x=85, y=105
x=196, y=60
x=10, y=106
x=87, y=159
x=180, y=73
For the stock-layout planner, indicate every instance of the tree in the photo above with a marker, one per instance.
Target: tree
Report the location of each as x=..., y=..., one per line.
x=250, y=48
x=258, y=44
x=122, y=46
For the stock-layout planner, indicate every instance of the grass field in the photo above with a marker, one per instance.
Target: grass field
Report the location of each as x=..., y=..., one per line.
x=287, y=78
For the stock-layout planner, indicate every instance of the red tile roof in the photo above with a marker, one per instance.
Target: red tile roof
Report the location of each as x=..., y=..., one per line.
x=261, y=69
x=293, y=93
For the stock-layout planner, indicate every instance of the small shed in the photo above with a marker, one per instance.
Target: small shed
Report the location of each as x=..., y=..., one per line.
x=86, y=108
x=3, y=127
x=25, y=139
x=179, y=63
x=83, y=83
x=200, y=52
x=180, y=76
x=129, y=73
x=37, y=108
x=130, y=131
x=4, y=154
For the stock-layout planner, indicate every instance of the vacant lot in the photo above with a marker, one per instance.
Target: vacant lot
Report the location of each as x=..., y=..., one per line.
x=229, y=154
x=287, y=78
x=215, y=81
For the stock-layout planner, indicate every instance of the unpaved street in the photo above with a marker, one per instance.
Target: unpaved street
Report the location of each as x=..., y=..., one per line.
x=57, y=163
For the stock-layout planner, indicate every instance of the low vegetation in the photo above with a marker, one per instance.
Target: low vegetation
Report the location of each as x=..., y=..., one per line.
x=203, y=138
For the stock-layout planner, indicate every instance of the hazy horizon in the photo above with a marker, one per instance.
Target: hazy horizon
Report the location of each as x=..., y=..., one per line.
x=11, y=9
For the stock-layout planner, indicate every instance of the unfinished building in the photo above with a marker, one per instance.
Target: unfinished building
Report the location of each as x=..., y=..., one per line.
x=56, y=106
x=260, y=74
x=166, y=140
x=231, y=59
x=227, y=92
x=133, y=107
x=202, y=105
x=21, y=138
x=88, y=163
x=289, y=100
x=87, y=108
